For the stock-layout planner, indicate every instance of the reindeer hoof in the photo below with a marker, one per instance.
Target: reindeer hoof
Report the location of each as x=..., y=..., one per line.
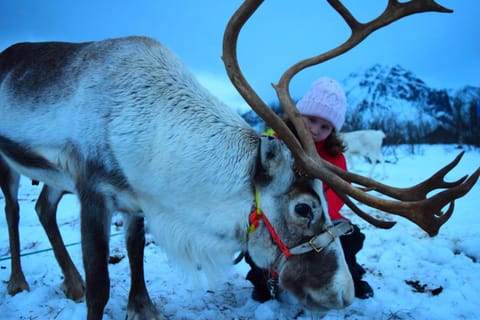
x=142, y=309
x=74, y=290
x=145, y=314
x=16, y=284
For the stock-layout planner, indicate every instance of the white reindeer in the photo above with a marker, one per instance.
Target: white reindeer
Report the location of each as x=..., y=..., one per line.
x=365, y=144
x=125, y=126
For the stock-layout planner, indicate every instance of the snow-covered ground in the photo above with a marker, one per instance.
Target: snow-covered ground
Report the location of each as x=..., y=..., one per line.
x=414, y=276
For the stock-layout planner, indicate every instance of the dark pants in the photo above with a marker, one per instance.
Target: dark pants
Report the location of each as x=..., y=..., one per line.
x=351, y=244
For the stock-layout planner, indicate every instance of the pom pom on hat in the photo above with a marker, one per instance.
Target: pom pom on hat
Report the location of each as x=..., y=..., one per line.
x=326, y=100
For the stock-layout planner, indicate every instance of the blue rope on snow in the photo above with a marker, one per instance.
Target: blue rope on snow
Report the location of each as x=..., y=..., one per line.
x=50, y=249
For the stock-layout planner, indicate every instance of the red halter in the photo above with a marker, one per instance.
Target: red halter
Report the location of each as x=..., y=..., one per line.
x=316, y=243
x=254, y=219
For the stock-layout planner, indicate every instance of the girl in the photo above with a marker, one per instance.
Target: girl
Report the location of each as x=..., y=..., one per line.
x=323, y=109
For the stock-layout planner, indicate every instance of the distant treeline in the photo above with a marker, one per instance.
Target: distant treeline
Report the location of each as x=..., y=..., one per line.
x=459, y=128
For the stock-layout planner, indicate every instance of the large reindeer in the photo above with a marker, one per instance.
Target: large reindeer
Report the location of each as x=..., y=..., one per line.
x=108, y=121
x=123, y=124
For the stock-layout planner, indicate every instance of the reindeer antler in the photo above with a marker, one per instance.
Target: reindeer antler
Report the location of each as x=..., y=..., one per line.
x=414, y=204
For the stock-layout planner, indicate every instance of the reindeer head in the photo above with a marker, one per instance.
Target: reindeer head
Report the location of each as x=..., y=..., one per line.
x=292, y=234
x=298, y=273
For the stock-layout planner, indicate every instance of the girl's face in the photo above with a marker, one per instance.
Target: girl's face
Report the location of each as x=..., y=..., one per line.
x=319, y=128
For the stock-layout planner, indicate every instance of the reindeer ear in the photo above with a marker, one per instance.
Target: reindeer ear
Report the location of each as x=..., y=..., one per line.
x=274, y=164
x=318, y=187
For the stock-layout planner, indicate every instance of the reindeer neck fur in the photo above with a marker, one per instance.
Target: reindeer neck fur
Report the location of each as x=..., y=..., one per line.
x=204, y=156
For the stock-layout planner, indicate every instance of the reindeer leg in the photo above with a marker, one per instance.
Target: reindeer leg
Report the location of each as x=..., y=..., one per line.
x=95, y=230
x=374, y=164
x=46, y=208
x=140, y=305
x=9, y=182
x=382, y=160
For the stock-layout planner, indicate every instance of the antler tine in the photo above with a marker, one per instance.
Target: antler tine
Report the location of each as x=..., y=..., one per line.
x=417, y=192
x=432, y=223
x=437, y=180
x=426, y=213
x=365, y=216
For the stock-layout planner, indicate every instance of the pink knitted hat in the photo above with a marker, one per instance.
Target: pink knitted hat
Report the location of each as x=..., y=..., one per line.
x=326, y=100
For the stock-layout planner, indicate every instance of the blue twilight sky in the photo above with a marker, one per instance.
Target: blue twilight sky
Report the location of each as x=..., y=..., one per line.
x=442, y=49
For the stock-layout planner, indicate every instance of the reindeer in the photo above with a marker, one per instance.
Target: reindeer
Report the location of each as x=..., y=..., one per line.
x=367, y=144
x=107, y=121
x=205, y=227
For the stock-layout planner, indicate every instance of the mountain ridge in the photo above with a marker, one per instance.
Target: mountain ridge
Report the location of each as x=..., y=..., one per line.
x=395, y=100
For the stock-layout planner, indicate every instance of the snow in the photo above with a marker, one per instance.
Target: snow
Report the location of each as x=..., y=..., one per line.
x=399, y=262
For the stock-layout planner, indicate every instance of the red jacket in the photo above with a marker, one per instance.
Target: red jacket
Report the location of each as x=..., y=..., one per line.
x=334, y=202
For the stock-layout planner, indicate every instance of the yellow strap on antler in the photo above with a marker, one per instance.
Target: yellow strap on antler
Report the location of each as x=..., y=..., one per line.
x=269, y=132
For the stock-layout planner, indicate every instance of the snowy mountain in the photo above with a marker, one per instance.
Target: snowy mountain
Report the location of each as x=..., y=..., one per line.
x=401, y=104
x=394, y=99
x=405, y=107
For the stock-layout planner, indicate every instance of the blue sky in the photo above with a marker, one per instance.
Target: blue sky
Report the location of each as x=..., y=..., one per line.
x=442, y=49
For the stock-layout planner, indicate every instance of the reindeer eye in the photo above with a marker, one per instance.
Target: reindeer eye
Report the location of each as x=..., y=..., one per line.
x=304, y=210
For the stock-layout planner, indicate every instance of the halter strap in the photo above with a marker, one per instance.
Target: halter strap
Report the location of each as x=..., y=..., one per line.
x=254, y=220
x=317, y=243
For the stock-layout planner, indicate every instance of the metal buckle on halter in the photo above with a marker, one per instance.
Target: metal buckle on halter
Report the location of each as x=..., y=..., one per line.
x=311, y=242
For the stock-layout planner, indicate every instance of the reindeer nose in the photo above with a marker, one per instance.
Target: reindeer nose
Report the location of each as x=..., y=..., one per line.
x=346, y=293
x=343, y=293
